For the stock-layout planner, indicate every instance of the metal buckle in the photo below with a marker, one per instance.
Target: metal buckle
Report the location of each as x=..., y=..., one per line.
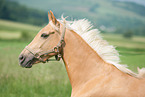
x=58, y=57
x=56, y=49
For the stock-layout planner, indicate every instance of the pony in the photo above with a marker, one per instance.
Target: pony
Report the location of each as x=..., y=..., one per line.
x=91, y=63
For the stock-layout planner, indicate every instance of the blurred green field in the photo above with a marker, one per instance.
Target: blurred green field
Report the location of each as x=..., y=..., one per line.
x=50, y=79
x=132, y=51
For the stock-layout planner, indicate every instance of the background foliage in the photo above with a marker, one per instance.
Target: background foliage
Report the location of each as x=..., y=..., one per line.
x=14, y=11
x=117, y=16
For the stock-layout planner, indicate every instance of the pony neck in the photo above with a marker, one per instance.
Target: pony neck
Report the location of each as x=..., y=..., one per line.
x=81, y=61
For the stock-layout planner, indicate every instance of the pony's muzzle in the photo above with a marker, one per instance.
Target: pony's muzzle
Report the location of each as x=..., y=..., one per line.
x=26, y=62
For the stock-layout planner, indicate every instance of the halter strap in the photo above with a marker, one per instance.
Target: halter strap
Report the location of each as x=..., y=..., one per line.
x=57, y=50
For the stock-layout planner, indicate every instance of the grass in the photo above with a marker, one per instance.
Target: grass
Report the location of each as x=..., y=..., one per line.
x=50, y=79
x=120, y=41
x=9, y=35
x=132, y=51
x=45, y=80
x=15, y=26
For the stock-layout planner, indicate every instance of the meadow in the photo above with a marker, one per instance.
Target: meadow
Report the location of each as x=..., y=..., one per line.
x=50, y=79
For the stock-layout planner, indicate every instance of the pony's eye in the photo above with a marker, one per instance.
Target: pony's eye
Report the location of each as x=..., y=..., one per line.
x=52, y=32
x=44, y=35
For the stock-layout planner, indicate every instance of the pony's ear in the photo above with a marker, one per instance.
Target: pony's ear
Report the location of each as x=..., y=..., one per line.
x=52, y=18
x=49, y=17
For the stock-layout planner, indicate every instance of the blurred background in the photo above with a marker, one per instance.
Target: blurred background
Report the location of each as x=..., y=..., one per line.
x=121, y=22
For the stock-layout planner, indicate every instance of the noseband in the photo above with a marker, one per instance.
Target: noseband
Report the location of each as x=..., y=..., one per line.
x=57, y=50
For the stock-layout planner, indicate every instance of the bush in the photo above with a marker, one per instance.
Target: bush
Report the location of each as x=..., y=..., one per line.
x=128, y=34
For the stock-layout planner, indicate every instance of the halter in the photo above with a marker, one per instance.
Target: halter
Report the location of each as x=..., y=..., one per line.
x=57, y=50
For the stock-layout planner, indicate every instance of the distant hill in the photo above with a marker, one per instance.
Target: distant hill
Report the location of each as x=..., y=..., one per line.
x=111, y=15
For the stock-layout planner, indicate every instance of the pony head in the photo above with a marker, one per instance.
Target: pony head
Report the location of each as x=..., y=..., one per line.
x=44, y=45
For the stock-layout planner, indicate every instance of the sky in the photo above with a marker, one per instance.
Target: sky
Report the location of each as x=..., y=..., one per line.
x=142, y=2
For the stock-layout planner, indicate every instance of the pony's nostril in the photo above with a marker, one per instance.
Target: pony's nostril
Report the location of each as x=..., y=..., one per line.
x=21, y=57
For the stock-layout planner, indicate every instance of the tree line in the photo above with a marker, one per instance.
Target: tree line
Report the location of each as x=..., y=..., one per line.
x=11, y=10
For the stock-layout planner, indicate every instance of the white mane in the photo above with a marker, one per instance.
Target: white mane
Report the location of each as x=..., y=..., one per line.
x=92, y=36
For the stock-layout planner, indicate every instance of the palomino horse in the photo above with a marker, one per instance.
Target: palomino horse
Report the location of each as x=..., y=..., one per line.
x=92, y=64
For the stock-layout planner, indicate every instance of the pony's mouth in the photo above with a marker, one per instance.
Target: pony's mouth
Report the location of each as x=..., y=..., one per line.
x=29, y=64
